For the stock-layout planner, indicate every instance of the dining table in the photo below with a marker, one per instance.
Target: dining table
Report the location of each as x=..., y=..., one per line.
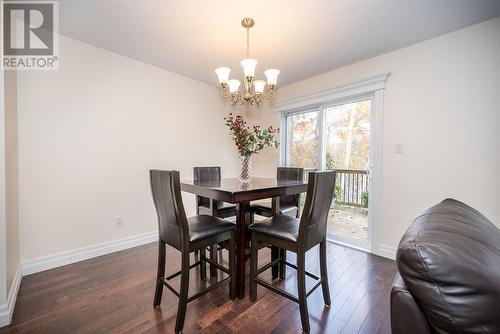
x=232, y=190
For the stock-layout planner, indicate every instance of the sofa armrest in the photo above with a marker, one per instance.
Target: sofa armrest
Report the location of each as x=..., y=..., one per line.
x=406, y=315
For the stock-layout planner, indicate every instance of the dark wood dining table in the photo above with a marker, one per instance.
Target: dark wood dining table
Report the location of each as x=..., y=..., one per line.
x=231, y=190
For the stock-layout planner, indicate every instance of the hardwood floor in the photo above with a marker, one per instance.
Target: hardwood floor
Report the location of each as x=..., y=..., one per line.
x=114, y=294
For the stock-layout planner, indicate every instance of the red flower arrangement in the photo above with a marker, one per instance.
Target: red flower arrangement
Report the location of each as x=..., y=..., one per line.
x=250, y=141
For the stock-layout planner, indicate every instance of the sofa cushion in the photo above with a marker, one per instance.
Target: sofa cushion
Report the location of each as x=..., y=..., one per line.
x=406, y=315
x=450, y=260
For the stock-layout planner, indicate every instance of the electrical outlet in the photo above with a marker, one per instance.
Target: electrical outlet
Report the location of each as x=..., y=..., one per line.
x=119, y=222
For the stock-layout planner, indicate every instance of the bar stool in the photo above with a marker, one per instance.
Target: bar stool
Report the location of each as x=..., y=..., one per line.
x=207, y=206
x=298, y=236
x=203, y=204
x=289, y=205
x=187, y=235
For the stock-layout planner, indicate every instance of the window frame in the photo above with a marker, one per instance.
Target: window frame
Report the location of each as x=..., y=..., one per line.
x=321, y=110
x=371, y=88
x=284, y=134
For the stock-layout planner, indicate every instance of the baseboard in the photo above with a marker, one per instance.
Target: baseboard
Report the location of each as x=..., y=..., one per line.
x=84, y=253
x=347, y=245
x=386, y=251
x=7, y=309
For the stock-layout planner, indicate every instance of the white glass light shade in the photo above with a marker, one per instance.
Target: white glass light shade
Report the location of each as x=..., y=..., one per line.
x=249, y=65
x=223, y=74
x=234, y=85
x=259, y=86
x=272, y=76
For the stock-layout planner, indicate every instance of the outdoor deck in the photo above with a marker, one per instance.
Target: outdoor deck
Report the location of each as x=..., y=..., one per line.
x=349, y=222
x=349, y=213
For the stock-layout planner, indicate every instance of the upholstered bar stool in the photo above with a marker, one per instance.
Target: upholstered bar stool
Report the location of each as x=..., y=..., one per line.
x=298, y=236
x=187, y=235
x=289, y=205
x=207, y=206
x=204, y=204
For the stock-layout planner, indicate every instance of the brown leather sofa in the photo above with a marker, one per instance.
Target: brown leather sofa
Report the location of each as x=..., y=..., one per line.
x=448, y=278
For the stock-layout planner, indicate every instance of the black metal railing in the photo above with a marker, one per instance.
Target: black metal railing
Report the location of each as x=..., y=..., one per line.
x=351, y=186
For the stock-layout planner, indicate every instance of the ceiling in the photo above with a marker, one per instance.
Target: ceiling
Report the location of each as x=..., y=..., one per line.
x=302, y=38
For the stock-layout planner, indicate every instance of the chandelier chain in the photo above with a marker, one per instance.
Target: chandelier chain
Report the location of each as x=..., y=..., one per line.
x=248, y=42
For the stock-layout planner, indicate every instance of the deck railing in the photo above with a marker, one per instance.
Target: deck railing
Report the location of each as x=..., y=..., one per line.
x=351, y=186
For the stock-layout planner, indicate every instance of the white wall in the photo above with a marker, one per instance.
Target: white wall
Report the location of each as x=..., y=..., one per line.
x=10, y=270
x=89, y=133
x=11, y=178
x=3, y=216
x=442, y=104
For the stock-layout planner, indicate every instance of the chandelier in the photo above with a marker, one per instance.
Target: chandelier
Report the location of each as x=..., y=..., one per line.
x=253, y=89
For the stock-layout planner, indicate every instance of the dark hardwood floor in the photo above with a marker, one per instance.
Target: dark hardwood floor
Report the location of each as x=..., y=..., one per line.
x=114, y=294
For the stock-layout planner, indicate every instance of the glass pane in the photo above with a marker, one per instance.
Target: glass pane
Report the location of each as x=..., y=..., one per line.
x=347, y=148
x=303, y=140
x=347, y=136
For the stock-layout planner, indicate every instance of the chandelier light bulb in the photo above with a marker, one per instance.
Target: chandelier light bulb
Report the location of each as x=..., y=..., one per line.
x=223, y=74
x=249, y=65
x=259, y=86
x=234, y=85
x=272, y=76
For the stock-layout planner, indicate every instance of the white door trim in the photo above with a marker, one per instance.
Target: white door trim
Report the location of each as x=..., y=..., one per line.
x=373, y=88
x=327, y=96
x=375, y=171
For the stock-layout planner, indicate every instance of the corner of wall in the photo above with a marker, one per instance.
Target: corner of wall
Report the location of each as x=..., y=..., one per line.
x=7, y=309
x=3, y=237
x=10, y=266
x=386, y=251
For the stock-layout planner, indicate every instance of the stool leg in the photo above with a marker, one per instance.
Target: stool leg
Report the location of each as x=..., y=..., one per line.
x=183, y=293
x=203, y=265
x=160, y=273
x=301, y=285
x=324, y=273
x=253, y=268
x=213, y=257
x=282, y=264
x=232, y=266
x=274, y=255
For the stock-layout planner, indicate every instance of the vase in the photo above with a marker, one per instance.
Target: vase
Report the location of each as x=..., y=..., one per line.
x=246, y=169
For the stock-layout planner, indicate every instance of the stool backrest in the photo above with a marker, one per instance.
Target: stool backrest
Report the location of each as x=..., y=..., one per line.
x=205, y=174
x=172, y=220
x=314, y=217
x=290, y=174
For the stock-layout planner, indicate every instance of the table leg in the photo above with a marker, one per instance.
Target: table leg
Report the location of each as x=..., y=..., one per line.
x=242, y=216
x=213, y=248
x=275, y=206
x=275, y=251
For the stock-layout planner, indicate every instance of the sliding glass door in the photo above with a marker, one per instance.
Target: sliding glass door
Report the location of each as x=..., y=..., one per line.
x=336, y=137
x=303, y=131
